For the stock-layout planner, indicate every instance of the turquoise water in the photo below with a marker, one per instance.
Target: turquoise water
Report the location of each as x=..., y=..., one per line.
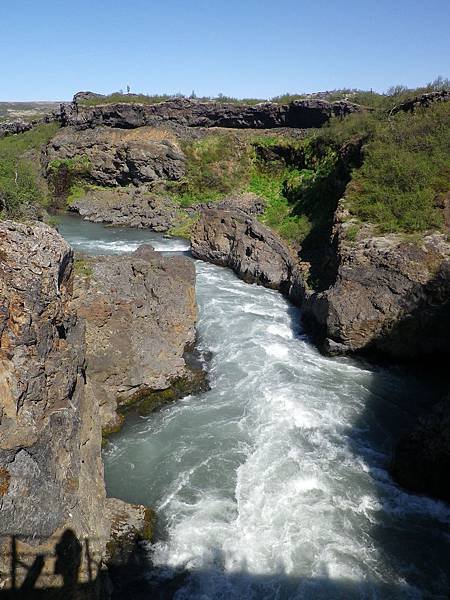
x=274, y=483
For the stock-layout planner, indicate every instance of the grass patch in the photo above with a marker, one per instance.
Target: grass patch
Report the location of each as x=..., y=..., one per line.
x=82, y=268
x=216, y=166
x=118, y=97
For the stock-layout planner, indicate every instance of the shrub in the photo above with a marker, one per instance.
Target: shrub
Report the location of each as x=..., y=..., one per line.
x=406, y=168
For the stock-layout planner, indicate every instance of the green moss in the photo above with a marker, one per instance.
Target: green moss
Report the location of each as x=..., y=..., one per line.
x=146, y=402
x=149, y=524
x=184, y=228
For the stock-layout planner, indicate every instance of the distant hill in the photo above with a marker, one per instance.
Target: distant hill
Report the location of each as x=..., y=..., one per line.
x=25, y=110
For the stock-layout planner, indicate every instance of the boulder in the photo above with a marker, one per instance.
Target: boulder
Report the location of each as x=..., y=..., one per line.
x=128, y=207
x=422, y=101
x=140, y=313
x=231, y=238
x=13, y=127
x=113, y=157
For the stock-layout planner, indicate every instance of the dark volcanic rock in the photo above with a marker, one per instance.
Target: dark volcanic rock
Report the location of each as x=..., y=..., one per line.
x=140, y=312
x=247, y=202
x=13, y=127
x=118, y=157
x=421, y=460
x=192, y=113
x=391, y=296
x=231, y=238
x=128, y=207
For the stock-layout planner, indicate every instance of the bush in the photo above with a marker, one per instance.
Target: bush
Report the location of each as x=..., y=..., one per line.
x=406, y=169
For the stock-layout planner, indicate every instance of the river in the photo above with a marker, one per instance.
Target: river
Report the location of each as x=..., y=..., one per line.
x=274, y=483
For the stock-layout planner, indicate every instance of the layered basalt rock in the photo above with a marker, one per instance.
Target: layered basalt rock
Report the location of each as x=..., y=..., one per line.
x=54, y=526
x=140, y=313
x=128, y=207
x=232, y=238
x=115, y=157
x=192, y=113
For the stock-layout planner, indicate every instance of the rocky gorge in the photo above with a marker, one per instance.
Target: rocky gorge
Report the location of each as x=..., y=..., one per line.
x=70, y=352
x=81, y=344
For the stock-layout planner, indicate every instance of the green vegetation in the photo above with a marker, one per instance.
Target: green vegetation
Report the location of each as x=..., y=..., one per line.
x=21, y=187
x=405, y=172
x=66, y=177
x=119, y=97
x=82, y=267
x=184, y=229
x=216, y=165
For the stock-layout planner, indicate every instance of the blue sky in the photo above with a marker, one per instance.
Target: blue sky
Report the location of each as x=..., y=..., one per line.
x=259, y=48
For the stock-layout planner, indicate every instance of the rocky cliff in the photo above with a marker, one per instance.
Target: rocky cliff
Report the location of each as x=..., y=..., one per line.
x=114, y=157
x=391, y=295
x=192, y=113
x=55, y=519
x=140, y=312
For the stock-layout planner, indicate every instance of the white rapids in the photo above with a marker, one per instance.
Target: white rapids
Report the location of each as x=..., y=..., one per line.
x=274, y=483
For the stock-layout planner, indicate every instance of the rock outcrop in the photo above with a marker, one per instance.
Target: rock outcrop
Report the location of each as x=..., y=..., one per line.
x=140, y=313
x=118, y=157
x=422, y=101
x=193, y=113
x=13, y=127
x=421, y=460
x=128, y=207
x=391, y=296
x=231, y=238
x=54, y=525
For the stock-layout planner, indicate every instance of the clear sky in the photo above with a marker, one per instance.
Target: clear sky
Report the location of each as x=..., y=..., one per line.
x=259, y=48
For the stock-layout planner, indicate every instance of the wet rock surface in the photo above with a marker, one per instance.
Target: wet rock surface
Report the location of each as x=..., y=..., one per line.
x=231, y=238
x=140, y=313
x=119, y=157
x=128, y=207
